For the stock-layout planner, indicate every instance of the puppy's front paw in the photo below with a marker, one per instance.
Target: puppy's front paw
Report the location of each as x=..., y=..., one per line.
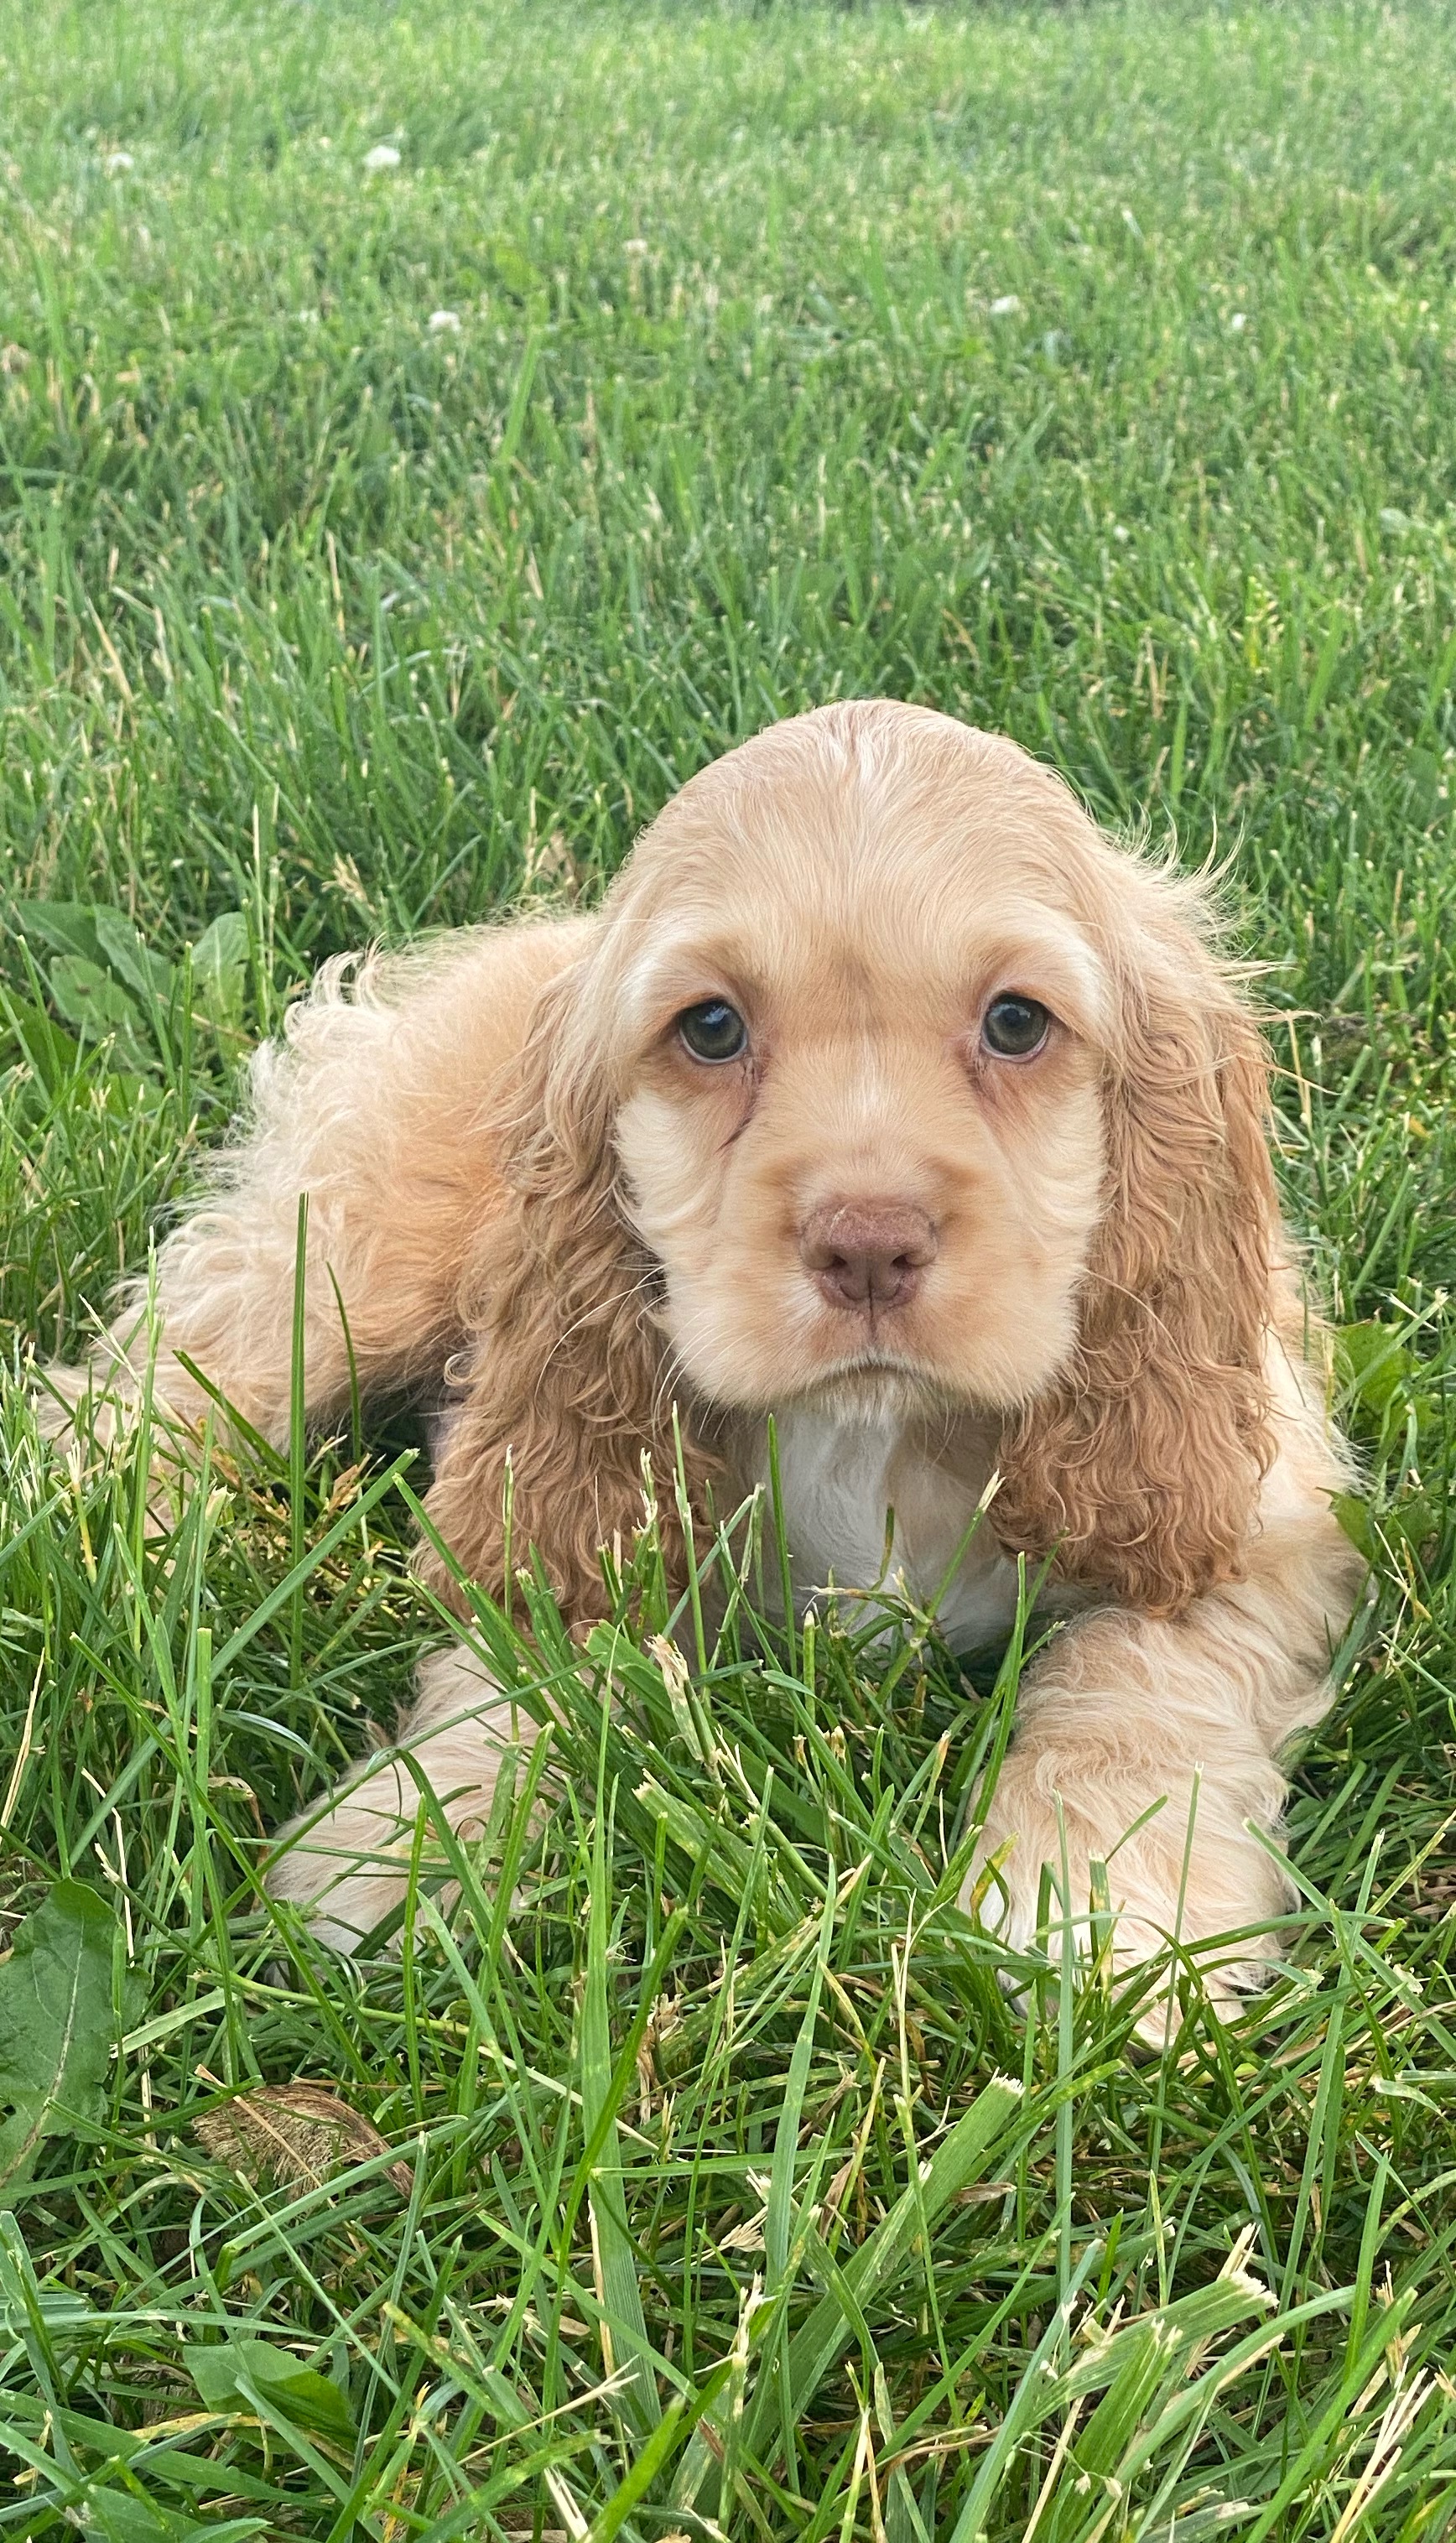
x=349, y=1868
x=1133, y=1873
x=347, y=1860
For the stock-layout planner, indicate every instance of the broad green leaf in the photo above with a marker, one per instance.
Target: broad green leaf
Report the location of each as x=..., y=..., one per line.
x=222, y=2373
x=89, y=997
x=220, y=966
x=122, y=2516
x=101, y=958
x=57, y=2024
x=149, y=973
x=51, y=1055
x=98, y=1005
x=1412, y=1519
x=1379, y=1370
x=1352, y=1510
x=65, y=926
x=55, y=1060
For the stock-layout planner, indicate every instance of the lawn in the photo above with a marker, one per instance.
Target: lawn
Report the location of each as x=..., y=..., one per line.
x=426, y=436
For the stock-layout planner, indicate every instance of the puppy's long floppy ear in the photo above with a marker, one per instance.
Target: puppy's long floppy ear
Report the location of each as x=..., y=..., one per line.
x=563, y=1373
x=1142, y=1465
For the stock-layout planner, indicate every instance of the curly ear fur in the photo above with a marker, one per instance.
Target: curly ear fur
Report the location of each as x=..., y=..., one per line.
x=562, y=1376
x=1142, y=1465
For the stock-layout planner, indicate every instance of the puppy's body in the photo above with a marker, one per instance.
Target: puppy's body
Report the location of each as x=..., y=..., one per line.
x=888, y=1098
x=377, y=1106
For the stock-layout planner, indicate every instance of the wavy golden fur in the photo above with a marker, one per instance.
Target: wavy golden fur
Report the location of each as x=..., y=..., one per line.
x=1142, y=1464
x=563, y=1369
x=931, y=1252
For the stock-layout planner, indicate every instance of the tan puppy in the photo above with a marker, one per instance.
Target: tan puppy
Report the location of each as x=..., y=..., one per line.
x=887, y=1096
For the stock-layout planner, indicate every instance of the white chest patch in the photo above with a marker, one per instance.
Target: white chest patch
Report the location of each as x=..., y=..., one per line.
x=868, y=1507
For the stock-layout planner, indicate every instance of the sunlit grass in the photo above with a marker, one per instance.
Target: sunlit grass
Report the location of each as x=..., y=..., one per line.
x=1093, y=374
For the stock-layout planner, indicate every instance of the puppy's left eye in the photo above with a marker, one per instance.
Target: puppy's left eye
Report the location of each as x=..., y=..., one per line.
x=1015, y=1027
x=714, y=1030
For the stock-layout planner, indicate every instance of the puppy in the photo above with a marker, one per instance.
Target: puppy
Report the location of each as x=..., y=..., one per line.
x=885, y=1096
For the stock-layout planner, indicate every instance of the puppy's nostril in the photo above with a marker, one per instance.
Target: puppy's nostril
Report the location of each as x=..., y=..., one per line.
x=868, y=1255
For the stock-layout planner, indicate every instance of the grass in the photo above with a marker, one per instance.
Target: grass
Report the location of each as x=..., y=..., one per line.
x=1091, y=372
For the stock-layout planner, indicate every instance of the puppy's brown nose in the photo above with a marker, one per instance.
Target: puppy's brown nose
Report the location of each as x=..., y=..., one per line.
x=868, y=1254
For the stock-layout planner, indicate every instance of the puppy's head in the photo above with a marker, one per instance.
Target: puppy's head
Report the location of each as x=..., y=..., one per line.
x=890, y=1080
x=859, y=1032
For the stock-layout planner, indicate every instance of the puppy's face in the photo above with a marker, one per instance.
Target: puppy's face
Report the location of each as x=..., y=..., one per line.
x=859, y=998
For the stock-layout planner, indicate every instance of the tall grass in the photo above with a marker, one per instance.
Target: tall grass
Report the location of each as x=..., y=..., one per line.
x=1087, y=372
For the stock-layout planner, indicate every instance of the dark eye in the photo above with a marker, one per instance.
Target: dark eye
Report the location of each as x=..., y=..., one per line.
x=1015, y=1027
x=714, y=1030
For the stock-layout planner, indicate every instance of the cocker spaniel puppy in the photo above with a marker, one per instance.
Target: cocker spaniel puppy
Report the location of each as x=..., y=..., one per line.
x=886, y=1097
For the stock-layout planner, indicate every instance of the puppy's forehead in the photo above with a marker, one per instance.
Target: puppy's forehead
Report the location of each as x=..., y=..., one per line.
x=873, y=852
x=867, y=797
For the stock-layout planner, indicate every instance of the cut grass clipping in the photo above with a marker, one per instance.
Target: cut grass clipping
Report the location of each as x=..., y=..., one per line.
x=425, y=439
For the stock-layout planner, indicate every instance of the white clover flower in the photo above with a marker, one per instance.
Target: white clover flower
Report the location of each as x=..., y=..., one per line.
x=117, y=162
x=1120, y=535
x=1238, y=322
x=444, y=321
x=383, y=155
x=634, y=247
x=1008, y=306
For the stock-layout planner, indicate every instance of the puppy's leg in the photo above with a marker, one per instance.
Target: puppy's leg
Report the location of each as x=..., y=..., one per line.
x=374, y=1107
x=347, y=1859
x=1177, y=1725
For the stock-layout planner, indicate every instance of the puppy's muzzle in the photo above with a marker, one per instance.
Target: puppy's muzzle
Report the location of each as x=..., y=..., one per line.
x=868, y=1255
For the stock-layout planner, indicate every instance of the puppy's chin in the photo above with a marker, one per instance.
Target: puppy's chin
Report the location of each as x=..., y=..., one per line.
x=748, y=1360
x=877, y=1388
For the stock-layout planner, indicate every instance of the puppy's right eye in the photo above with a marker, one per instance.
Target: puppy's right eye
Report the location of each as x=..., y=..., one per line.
x=1015, y=1027
x=714, y=1030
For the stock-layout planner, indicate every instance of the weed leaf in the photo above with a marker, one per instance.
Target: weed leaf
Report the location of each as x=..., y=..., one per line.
x=65, y=926
x=149, y=974
x=89, y=998
x=120, y=2516
x=220, y=966
x=57, y=2024
x=236, y=2374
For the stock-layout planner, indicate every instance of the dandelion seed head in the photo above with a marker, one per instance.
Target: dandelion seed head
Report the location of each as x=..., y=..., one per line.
x=383, y=155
